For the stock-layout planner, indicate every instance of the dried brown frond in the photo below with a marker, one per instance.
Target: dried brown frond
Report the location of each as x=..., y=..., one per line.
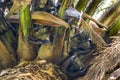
x=107, y=59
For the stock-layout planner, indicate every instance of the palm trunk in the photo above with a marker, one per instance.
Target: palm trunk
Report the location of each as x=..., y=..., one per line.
x=112, y=15
x=92, y=6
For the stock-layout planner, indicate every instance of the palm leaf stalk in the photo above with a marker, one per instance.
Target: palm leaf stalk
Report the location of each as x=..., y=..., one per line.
x=25, y=49
x=94, y=20
x=58, y=42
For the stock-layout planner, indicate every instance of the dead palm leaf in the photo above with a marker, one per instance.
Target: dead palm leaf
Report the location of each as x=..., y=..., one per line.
x=44, y=18
x=107, y=60
x=48, y=19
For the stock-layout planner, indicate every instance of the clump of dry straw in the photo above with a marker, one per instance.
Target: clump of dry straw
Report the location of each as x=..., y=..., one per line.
x=107, y=60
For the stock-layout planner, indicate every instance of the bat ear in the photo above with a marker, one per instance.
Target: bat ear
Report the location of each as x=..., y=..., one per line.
x=71, y=12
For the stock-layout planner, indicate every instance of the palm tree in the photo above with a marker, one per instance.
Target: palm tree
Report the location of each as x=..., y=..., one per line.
x=59, y=21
